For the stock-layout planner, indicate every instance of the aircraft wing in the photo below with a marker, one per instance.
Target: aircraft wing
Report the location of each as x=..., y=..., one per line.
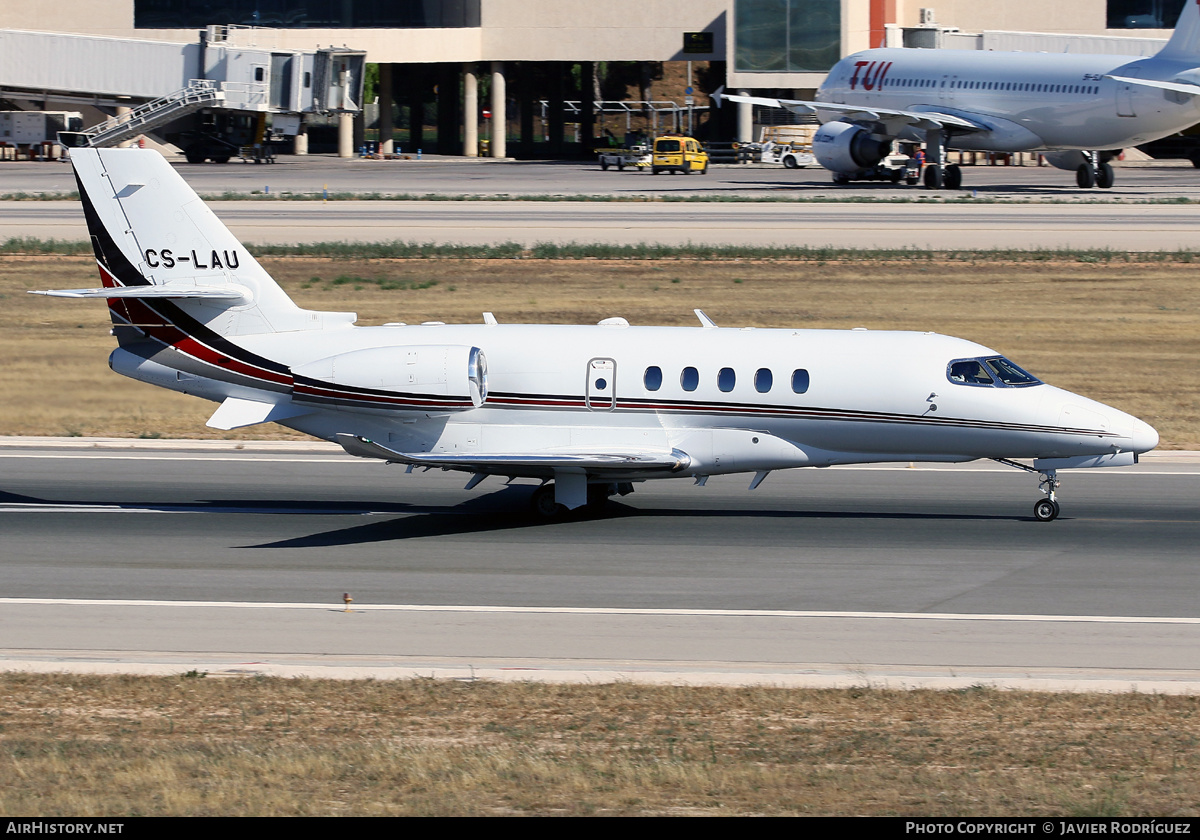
x=892, y=118
x=541, y=464
x=1191, y=90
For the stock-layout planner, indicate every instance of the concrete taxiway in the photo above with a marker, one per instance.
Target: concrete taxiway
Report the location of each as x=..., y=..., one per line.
x=1143, y=227
x=173, y=557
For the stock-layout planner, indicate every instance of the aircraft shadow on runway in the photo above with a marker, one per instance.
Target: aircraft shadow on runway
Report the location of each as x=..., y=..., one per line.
x=506, y=509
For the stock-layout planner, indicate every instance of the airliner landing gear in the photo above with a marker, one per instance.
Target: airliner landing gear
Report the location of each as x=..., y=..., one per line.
x=1094, y=173
x=1047, y=509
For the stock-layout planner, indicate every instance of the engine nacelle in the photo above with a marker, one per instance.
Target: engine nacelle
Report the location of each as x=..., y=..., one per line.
x=843, y=147
x=1069, y=160
x=426, y=377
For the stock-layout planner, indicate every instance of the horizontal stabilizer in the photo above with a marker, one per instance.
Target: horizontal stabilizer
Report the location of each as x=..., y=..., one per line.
x=1177, y=87
x=202, y=292
x=521, y=464
x=235, y=413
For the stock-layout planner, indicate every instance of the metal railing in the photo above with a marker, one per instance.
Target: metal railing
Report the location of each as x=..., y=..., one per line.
x=200, y=93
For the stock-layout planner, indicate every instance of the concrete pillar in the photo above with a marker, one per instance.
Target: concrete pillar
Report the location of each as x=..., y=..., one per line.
x=470, y=111
x=745, y=120
x=345, y=135
x=386, y=129
x=300, y=141
x=123, y=116
x=499, y=148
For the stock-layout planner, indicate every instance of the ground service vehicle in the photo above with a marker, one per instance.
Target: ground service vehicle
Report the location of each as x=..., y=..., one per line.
x=676, y=153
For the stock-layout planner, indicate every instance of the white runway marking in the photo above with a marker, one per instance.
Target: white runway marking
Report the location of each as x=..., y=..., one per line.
x=603, y=611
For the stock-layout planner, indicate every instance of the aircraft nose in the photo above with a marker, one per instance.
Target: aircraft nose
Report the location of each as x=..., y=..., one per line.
x=1144, y=436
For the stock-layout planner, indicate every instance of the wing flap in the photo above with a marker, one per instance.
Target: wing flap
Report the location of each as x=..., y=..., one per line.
x=531, y=464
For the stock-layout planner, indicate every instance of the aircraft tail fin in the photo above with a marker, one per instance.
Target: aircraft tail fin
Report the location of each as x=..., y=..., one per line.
x=179, y=268
x=1185, y=40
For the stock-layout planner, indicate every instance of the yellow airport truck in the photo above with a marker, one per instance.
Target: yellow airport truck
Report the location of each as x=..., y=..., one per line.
x=676, y=153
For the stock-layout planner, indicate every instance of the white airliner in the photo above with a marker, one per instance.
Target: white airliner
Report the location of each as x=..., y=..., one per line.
x=1076, y=109
x=587, y=410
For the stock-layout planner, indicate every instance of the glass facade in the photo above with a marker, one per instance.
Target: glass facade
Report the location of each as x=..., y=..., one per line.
x=1143, y=14
x=787, y=36
x=301, y=14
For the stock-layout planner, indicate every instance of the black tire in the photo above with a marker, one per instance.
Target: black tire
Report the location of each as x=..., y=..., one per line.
x=1105, y=176
x=912, y=180
x=841, y=178
x=604, y=165
x=1045, y=510
x=704, y=171
x=789, y=162
x=1085, y=177
x=222, y=159
x=653, y=170
x=1194, y=157
x=621, y=166
x=194, y=155
x=543, y=504
x=953, y=178
x=934, y=177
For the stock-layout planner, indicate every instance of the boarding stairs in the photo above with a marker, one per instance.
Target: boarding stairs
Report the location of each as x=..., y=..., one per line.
x=200, y=93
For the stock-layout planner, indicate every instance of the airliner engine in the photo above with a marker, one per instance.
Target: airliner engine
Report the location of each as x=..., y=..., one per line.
x=842, y=147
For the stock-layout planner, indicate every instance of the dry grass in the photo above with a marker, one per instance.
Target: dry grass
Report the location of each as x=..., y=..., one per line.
x=1124, y=334
x=194, y=746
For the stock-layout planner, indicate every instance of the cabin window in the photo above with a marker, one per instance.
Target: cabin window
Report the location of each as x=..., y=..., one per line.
x=799, y=381
x=689, y=379
x=762, y=380
x=653, y=378
x=726, y=379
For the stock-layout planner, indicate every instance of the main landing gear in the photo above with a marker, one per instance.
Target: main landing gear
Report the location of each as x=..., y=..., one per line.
x=1047, y=509
x=1094, y=173
x=544, y=506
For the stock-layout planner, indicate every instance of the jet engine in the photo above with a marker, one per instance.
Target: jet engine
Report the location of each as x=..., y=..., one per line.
x=433, y=377
x=844, y=147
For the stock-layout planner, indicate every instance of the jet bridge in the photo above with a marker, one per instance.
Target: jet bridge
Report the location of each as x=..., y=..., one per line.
x=153, y=84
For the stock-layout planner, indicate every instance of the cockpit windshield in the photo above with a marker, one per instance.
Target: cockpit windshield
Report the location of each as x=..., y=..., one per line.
x=989, y=372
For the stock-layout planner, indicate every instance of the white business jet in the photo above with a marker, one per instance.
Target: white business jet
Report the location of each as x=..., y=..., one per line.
x=586, y=410
x=1078, y=110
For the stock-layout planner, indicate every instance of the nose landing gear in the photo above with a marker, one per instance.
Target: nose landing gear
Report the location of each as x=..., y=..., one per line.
x=1047, y=509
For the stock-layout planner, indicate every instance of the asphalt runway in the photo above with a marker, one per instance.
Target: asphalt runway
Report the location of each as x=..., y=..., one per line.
x=890, y=575
x=1143, y=227
x=455, y=176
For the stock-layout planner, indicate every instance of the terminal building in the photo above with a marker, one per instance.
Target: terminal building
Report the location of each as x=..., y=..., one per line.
x=529, y=78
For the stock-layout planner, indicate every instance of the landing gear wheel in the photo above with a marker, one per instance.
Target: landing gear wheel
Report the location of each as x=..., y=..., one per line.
x=543, y=503
x=953, y=177
x=1085, y=176
x=841, y=178
x=934, y=177
x=1104, y=176
x=1045, y=510
x=789, y=162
